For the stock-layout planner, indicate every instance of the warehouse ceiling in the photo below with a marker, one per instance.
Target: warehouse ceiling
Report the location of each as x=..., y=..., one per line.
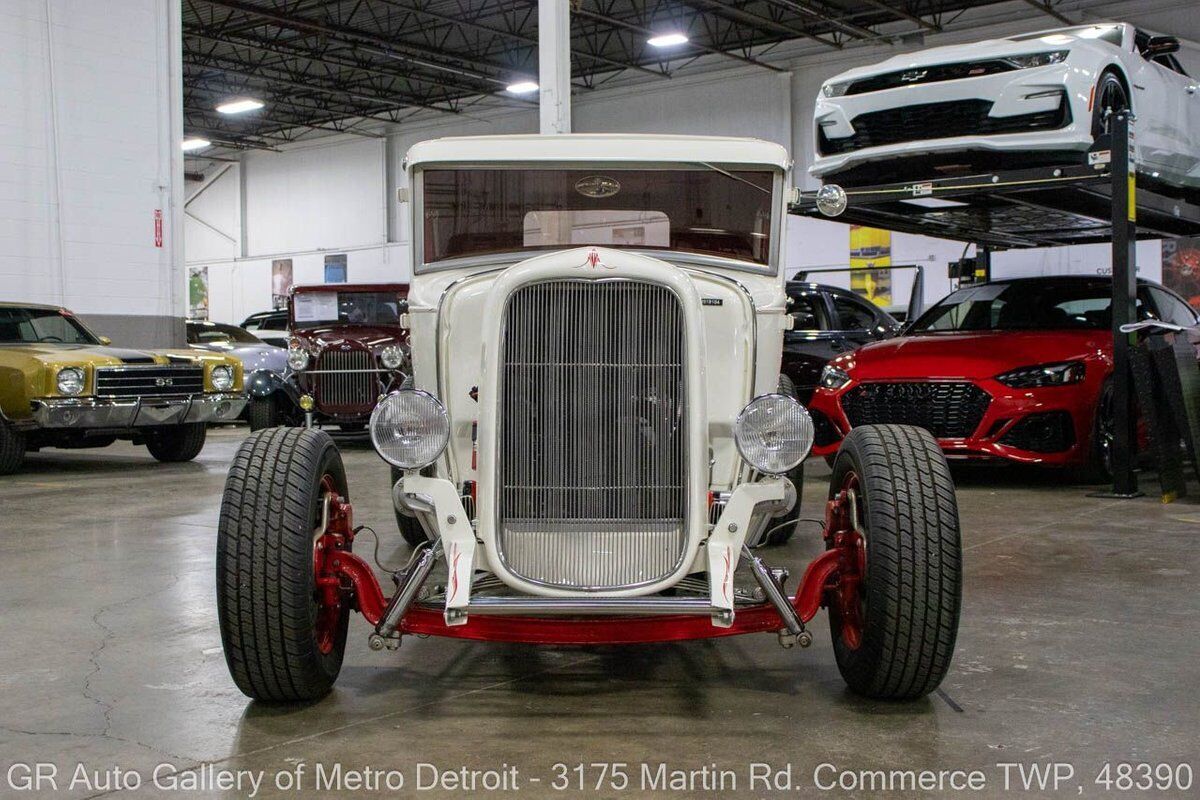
x=339, y=65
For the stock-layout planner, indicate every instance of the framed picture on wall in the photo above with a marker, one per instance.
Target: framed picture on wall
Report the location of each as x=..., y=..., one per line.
x=281, y=282
x=335, y=268
x=198, y=293
x=1181, y=267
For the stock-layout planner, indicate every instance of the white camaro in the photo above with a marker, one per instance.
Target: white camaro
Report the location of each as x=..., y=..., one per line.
x=1027, y=100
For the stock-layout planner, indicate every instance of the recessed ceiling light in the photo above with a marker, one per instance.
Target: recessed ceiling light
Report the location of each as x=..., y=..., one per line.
x=240, y=106
x=195, y=143
x=667, y=40
x=522, y=87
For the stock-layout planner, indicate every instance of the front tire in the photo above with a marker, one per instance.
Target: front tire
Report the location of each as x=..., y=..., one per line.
x=12, y=449
x=267, y=601
x=264, y=412
x=177, y=444
x=1110, y=95
x=898, y=642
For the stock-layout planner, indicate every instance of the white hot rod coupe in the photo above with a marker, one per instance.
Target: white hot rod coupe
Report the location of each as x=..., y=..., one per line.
x=596, y=438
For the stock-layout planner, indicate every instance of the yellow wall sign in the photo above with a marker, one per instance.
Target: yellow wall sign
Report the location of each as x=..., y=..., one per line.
x=871, y=248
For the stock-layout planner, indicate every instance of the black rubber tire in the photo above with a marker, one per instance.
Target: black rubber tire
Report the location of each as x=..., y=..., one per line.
x=1110, y=91
x=178, y=443
x=265, y=581
x=913, y=585
x=12, y=449
x=781, y=528
x=1099, y=464
x=263, y=413
x=410, y=527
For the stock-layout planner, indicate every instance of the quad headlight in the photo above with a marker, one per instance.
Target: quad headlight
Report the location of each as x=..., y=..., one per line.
x=834, y=377
x=1060, y=374
x=392, y=356
x=774, y=433
x=222, y=378
x=297, y=358
x=70, y=381
x=410, y=428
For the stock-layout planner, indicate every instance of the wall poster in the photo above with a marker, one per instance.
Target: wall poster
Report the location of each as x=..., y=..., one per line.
x=1181, y=267
x=869, y=248
x=335, y=268
x=281, y=282
x=198, y=293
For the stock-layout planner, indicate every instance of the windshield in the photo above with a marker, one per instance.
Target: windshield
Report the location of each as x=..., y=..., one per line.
x=1024, y=305
x=33, y=325
x=219, y=333
x=706, y=209
x=347, y=308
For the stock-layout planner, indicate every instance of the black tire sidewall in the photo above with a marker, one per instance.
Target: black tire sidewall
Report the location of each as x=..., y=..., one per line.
x=1098, y=108
x=12, y=448
x=263, y=412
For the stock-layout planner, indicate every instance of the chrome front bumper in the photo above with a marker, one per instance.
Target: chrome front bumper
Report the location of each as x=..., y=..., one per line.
x=135, y=412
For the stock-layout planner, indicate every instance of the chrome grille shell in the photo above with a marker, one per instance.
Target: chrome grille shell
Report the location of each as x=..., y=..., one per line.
x=592, y=463
x=345, y=381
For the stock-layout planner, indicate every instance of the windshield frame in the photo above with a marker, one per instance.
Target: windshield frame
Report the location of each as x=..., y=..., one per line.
x=777, y=204
x=90, y=339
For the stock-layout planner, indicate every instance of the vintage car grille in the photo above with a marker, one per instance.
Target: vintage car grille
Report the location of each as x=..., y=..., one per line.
x=947, y=410
x=593, y=426
x=937, y=121
x=345, y=381
x=155, y=381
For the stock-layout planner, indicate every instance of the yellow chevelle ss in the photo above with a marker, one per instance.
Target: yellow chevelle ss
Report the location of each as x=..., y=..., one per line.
x=63, y=386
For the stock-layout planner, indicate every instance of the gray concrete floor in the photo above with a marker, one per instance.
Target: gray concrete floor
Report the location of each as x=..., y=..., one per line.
x=1078, y=644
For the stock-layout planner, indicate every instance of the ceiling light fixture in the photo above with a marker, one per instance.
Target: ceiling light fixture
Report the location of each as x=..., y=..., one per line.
x=522, y=87
x=240, y=106
x=667, y=40
x=195, y=143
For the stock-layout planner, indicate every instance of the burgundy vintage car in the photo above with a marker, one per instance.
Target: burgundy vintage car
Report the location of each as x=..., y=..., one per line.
x=346, y=349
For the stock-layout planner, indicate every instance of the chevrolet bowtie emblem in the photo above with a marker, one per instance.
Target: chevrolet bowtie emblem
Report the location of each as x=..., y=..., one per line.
x=914, y=75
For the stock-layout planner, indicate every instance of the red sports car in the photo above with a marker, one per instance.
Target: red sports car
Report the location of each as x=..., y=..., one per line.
x=1016, y=369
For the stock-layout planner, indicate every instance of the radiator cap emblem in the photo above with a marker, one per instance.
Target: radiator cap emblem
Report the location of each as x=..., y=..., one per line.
x=593, y=261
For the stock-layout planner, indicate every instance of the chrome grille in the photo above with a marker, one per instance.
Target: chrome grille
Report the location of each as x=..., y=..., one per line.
x=345, y=381
x=155, y=381
x=593, y=426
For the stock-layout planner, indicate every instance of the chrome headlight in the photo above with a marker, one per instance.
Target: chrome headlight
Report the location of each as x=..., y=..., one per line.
x=70, y=381
x=410, y=428
x=392, y=356
x=1035, y=377
x=222, y=378
x=834, y=377
x=297, y=358
x=774, y=433
x=1037, y=59
x=835, y=89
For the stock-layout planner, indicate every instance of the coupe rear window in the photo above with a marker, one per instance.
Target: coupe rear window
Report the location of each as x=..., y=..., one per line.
x=707, y=210
x=216, y=332
x=1024, y=305
x=35, y=325
x=346, y=308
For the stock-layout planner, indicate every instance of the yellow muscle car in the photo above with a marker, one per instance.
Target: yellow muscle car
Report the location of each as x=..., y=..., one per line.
x=63, y=386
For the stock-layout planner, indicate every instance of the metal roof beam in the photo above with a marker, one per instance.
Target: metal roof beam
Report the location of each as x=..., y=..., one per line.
x=857, y=31
x=1046, y=9
x=763, y=22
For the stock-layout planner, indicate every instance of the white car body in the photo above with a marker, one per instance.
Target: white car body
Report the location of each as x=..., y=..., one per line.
x=1165, y=102
x=733, y=315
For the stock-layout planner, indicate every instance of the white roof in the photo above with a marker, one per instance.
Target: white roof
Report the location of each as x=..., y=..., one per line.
x=592, y=147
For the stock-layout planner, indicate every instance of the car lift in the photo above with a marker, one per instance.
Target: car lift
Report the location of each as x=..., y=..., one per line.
x=1097, y=201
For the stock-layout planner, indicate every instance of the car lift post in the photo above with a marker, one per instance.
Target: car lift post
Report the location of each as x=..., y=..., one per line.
x=1124, y=310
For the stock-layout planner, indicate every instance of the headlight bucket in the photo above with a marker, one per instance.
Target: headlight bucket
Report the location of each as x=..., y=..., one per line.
x=297, y=358
x=70, y=381
x=392, y=356
x=833, y=378
x=410, y=428
x=774, y=433
x=222, y=377
x=1061, y=373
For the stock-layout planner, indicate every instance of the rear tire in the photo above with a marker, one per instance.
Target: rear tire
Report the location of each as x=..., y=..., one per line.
x=410, y=527
x=266, y=588
x=782, y=527
x=12, y=449
x=912, y=591
x=264, y=412
x=178, y=443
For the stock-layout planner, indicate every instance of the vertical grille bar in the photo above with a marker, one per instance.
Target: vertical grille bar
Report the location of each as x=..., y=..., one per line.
x=342, y=392
x=593, y=427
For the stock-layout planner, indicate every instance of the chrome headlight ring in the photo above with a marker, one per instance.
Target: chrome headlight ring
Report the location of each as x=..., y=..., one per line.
x=70, y=381
x=393, y=356
x=410, y=428
x=222, y=377
x=297, y=358
x=774, y=433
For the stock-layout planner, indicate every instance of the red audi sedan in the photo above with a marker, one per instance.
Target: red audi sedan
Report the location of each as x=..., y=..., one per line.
x=1016, y=370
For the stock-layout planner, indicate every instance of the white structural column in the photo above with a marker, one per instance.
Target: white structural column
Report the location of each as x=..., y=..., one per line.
x=554, y=65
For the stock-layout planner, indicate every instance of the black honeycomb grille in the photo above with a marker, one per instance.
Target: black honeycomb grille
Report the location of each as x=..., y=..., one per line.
x=947, y=410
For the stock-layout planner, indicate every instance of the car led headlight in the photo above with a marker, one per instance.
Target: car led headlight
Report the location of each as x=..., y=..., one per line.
x=410, y=428
x=834, y=377
x=1060, y=374
x=392, y=356
x=222, y=378
x=1037, y=59
x=297, y=358
x=70, y=381
x=835, y=89
x=774, y=433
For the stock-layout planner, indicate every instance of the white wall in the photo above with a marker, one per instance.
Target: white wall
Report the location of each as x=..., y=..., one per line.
x=87, y=155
